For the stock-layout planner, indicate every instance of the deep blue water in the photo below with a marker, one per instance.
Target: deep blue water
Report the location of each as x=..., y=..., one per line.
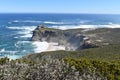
x=16, y=29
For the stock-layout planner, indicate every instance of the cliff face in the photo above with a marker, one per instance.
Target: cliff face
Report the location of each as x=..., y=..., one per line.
x=68, y=38
x=76, y=39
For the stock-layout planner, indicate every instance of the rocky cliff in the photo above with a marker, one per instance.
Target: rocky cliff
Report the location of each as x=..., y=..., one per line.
x=76, y=39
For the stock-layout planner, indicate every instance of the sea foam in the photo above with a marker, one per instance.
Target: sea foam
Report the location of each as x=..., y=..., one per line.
x=24, y=30
x=40, y=46
x=2, y=50
x=25, y=21
x=13, y=57
x=50, y=22
x=86, y=26
x=7, y=51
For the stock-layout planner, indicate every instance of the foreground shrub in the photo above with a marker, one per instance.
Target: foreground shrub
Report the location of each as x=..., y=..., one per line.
x=104, y=69
x=48, y=69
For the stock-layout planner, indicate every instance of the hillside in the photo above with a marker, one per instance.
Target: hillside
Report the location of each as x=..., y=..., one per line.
x=97, y=57
x=101, y=63
x=77, y=39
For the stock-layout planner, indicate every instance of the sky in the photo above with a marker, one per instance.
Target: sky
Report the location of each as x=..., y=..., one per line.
x=60, y=6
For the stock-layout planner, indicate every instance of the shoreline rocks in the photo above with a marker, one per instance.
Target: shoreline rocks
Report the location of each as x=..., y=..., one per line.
x=77, y=39
x=70, y=39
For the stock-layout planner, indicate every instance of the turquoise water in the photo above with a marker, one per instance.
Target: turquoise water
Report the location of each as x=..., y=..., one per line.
x=16, y=29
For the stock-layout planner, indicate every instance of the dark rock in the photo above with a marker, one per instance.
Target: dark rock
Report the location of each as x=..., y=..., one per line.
x=76, y=39
x=70, y=40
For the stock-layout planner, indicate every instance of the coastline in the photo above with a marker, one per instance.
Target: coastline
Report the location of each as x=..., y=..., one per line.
x=54, y=47
x=45, y=46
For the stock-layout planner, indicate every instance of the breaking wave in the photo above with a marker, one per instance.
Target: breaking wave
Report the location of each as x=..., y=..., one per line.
x=24, y=30
x=50, y=22
x=7, y=51
x=25, y=21
x=86, y=26
x=40, y=46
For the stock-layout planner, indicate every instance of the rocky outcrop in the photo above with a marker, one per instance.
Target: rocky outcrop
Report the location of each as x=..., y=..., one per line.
x=76, y=39
x=70, y=39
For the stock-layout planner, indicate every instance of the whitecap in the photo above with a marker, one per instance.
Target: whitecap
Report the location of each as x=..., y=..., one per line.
x=25, y=31
x=30, y=28
x=17, y=28
x=7, y=51
x=65, y=27
x=110, y=23
x=113, y=26
x=50, y=22
x=25, y=21
x=15, y=21
x=26, y=36
x=16, y=37
x=31, y=21
x=2, y=50
x=23, y=50
x=84, y=21
x=17, y=44
x=22, y=42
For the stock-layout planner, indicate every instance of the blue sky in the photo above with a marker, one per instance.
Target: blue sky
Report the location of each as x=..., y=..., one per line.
x=60, y=6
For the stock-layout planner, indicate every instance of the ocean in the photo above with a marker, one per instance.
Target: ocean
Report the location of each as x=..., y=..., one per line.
x=16, y=29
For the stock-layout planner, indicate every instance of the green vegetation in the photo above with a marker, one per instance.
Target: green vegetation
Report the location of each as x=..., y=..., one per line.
x=102, y=63
x=4, y=60
x=107, y=53
x=103, y=69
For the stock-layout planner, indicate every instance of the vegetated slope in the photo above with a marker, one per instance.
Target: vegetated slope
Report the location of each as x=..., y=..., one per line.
x=97, y=63
x=108, y=53
x=90, y=64
x=100, y=63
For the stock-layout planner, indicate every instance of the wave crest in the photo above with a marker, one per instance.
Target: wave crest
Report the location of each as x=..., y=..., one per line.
x=50, y=22
x=86, y=26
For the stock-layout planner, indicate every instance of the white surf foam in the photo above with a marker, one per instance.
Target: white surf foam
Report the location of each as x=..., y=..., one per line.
x=50, y=22
x=24, y=30
x=84, y=21
x=31, y=21
x=26, y=21
x=45, y=46
x=40, y=46
x=2, y=50
x=7, y=51
x=112, y=26
x=22, y=42
x=13, y=57
x=86, y=26
x=110, y=23
x=30, y=28
x=17, y=44
x=55, y=46
x=26, y=36
x=16, y=37
x=15, y=28
x=15, y=21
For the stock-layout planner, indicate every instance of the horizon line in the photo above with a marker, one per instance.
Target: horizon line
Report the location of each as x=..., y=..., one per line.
x=54, y=13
